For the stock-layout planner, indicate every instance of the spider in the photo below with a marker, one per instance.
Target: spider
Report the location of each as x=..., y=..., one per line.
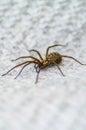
x=53, y=58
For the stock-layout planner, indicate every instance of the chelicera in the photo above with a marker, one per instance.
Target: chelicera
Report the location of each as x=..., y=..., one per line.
x=53, y=58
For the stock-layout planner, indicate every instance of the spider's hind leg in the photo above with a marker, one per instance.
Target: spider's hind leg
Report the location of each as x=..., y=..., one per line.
x=73, y=59
x=59, y=69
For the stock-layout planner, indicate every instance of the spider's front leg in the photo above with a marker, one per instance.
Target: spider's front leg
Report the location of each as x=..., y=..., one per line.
x=24, y=57
x=37, y=53
x=24, y=63
x=38, y=71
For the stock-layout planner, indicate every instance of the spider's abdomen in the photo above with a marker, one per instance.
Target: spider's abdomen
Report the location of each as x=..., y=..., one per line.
x=54, y=58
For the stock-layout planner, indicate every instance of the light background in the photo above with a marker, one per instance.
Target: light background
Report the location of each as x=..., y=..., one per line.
x=56, y=102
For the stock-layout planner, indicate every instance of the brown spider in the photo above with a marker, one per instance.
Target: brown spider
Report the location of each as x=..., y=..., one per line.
x=51, y=59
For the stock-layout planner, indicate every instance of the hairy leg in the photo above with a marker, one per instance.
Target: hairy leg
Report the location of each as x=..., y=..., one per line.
x=18, y=66
x=22, y=57
x=23, y=69
x=38, y=71
x=73, y=59
x=59, y=68
x=51, y=47
x=37, y=53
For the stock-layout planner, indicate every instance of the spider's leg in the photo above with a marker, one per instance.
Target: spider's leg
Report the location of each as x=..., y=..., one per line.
x=23, y=68
x=59, y=68
x=35, y=66
x=26, y=57
x=37, y=53
x=73, y=59
x=51, y=47
x=16, y=67
x=38, y=71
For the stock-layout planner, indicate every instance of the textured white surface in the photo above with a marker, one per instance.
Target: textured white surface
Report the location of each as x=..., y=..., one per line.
x=56, y=102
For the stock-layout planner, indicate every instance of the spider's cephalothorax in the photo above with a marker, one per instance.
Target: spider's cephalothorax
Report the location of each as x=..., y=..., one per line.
x=52, y=58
